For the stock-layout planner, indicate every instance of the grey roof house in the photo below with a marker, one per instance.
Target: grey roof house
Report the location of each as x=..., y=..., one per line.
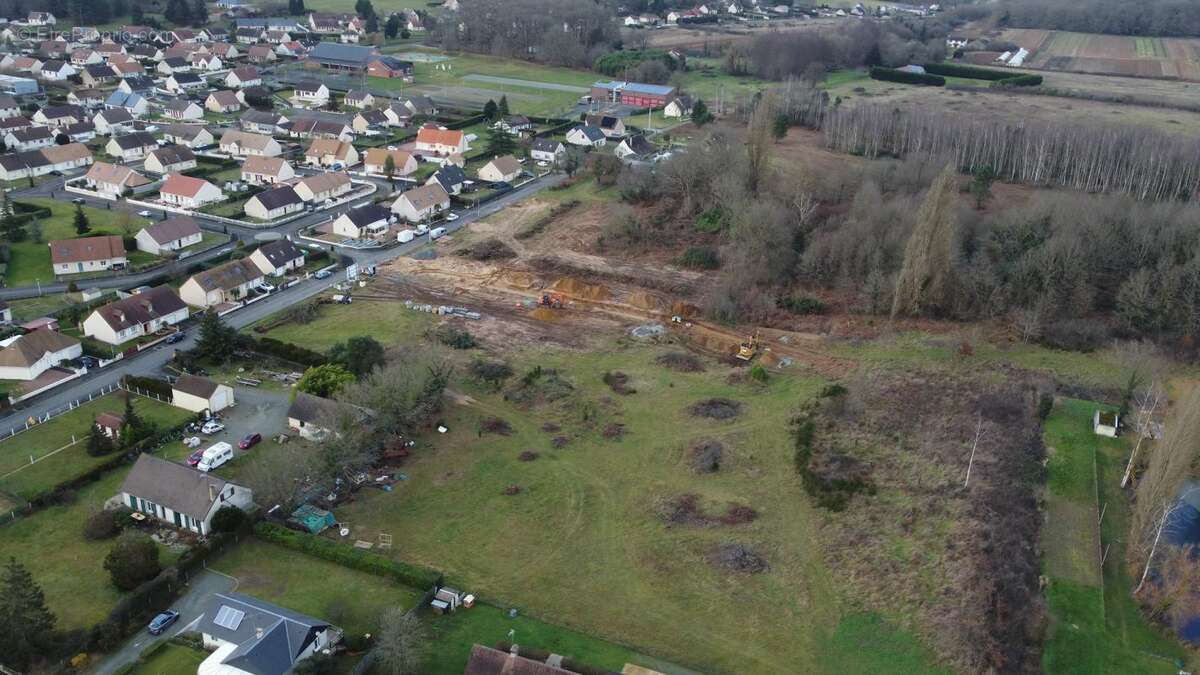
x=180, y=495
x=258, y=638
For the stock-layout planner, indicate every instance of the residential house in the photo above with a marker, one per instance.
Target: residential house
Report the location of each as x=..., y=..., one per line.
x=422, y=203
x=249, y=36
x=23, y=165
x=206, y=62
x=311, y=127
x=324, y=23
x=224, y=101
x=131, y=147
x=547, y=150
x=680, y=106
x=172, y=234
x=29, y=139
x=587, y=136
x=127, y=69
x=85, y=57
x=359, y=98
x=182, y=109
x=85, y=97
x=398, y=115
x=450, y=177
x=170, y=159
x=172, y=65
x=390, y=67
x=613, y=127
x=245, y=76
x=329, y=152
x=309, y=416
x=145, y=52
x=276, y=202
x=9, y=107
x=261, y=122
x=266, y=170
x=192, y=135
x=97, y=75
x=249, y=636
x=505, y=168
x=421, y=105
x=225, y=50
x=438, y=141
x=243, y=144
x=135, y=84
x=113, y=179
x=14, y=124
x=514, y=124
x=57, y=71
x=276, y=258
x=133, y=103
x=60, y=115
x=28, y=356
x=311, y=93
x=230, y=282
x=278, y=37
x=369, y=121
x=67, y=157
x=323, y=186
x=375, y=161
x=261, y=54
x=189, y=192
x=40, y=19
x=22, y=64
x=108, y=49
x=113, y=120
x=184, y=82
x=369, y=221
x=293, y=48
x=87, y=254
x=143, y=313
x=178, y=494
x=636, y=147
x=488, y=661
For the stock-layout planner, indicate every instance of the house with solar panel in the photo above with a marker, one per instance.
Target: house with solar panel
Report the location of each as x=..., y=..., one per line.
x=251, y=637
x=634, y=94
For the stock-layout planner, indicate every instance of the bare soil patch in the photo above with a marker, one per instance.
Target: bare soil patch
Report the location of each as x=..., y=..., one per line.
x=686, y=510
x=738, y=558
x=528, y=456
x=716, y=409
x=707, y=455
x=487, y=249
x=495, y=425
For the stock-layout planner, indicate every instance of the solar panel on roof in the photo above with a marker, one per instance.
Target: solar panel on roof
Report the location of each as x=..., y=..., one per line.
x=228, y=617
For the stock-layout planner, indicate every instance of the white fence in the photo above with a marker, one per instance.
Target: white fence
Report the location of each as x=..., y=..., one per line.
x=71, y=405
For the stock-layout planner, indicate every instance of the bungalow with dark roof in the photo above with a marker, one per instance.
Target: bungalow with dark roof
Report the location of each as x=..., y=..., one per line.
x=138, y=315
x=170, y=159
x=171, y=234
x=247, y=635
x=179, y=495
x=274, y=203
x=276, y=258
x=131, y=147
x=369, y=221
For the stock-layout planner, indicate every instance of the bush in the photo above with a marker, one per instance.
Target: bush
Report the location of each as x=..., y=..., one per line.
x=326, y=549
x=1083, y=335
x=801, y=304
x=132, y=561
x=101, y=525
x=903, y=77
x=228, y=519
x=1045, y=405
x=492, y=372
x=712, y=221
x=1021, y=81
x=758, y=373
x=455, y=337
x=284, y=350
x=699, y=257
x=153, y=385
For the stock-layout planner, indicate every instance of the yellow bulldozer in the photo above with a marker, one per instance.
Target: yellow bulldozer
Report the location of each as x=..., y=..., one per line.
x=748, y=349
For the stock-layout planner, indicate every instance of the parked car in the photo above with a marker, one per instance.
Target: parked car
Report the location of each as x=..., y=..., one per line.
x=162, y=622
x=212, y=427
x=265, y=287
x=77, y=200
x=194, y=458
x=175, y=337
x=89, y=362
x=323, y=274
x=451, y=216
x=145, y=214
x=250, y=441
x=437, y=233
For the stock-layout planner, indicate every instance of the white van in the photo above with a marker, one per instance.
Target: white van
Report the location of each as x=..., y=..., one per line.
x=215, y=456
x=437, y=233
x=422, y=228
x=405, y=236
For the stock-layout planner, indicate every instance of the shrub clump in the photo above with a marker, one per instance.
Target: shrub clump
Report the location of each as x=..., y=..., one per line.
x=495, y=425
x=455, y=337
x=103, y=525
x=619, y=383
x=539, y=385
x=614, y=430
x=716, y=409
x=528, y=456
x=738, y=558
x=706, y=456
x=492, y=372
x=699, y=258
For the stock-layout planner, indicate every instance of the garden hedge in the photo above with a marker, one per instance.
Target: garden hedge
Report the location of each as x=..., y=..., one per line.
x=160, y=388
x=284, y=350
x=903, y=77
x=977, y=73
x=371, y=563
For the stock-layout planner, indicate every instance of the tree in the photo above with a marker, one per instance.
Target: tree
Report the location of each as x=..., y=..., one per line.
x=372, y=22
x=779, y=126
x=317, y=664
x=25, y=621
x=281, y=479
x=571, y=161
x=11, y=228
x=324, y=381
x=392, y=27
x=389, y=169
x=502, y=106
x=926, y=275
x=760, y=138
x=135, y=12
x=228, y=519
x=401, y=647
x=489, y=109
x=981, y=185
x=359, y=355
x=132, y=560
x=199, y=13
x=98, y=443
x=82, y=226
x=216, y=341
x=499, y=142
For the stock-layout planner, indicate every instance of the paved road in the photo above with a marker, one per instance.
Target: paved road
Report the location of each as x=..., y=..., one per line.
x=190, y=606
x=150, y=362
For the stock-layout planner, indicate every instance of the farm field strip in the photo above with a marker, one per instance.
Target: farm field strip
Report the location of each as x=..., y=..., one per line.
x=1110, y=54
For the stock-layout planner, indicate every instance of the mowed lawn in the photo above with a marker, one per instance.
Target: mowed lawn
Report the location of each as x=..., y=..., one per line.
x=386, y=320
x=350, y=599
x=584, y=545
x=30, y=261
x=18, y=476
x=171, y=659
x=1093, y=628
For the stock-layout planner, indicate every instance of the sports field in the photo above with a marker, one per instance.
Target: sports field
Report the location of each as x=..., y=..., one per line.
x=1110, y=54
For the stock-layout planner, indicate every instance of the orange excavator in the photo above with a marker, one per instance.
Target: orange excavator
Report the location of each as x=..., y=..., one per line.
x=553, y=300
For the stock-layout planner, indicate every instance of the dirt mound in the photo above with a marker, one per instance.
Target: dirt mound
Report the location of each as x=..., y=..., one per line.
x=519, y=280
x=716, y=409
x=559, y=442
x=685, y=510
x=495, y=425
x=644, y=300
x=682, y=362
x=619, y=383
x=614, y=430
x=576, y=288
x=487, y=249
x=512, y=490
x=528, y=456
x=550, y=427
x=685, y=309
x=545, y=314
x=738, y=558
x=707, y=455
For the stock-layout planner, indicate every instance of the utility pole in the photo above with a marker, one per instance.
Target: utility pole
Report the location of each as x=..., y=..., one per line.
x=974, y=446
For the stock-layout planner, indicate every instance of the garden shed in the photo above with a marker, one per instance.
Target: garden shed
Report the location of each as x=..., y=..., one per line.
x=313, y=519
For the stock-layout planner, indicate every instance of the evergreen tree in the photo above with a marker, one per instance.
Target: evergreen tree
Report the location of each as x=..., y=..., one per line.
x=25, y=621
x=10, y=227
x=499, y=142
x=132, y=420
x=98, y=444
x=199, y=13
x=489, y=109
x=502, y=108
x=372, y=22
x=392, y=28
x=135, y=13
x=925, y=283
x=389, y=169
x=82, y=226
x=216, y=341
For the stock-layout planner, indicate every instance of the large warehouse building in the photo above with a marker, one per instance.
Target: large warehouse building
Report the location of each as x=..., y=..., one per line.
x=634, y=93
x=334, y=56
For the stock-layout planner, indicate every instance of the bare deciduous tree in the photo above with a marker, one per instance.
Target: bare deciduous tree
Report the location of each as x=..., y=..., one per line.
x=400, y=649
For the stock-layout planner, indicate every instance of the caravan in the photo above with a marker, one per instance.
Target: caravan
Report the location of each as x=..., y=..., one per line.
x=215, y=456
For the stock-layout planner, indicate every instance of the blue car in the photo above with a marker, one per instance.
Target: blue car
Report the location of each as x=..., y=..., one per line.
x=162, y=622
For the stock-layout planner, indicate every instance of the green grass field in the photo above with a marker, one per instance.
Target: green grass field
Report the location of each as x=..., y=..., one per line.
x=18, y=476
x=171, y=659
x=1094, y=627
x=390, y=322
x=30, y=261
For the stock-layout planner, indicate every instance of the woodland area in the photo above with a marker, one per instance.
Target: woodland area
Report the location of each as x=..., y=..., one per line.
x=1159, y=18
x=809, y=54
x=533, y=30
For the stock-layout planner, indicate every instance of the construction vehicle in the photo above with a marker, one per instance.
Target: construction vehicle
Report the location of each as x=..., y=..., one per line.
x=748, y=349
x=552, y=300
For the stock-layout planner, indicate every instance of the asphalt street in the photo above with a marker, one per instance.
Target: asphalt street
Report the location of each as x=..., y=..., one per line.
x=151, y=361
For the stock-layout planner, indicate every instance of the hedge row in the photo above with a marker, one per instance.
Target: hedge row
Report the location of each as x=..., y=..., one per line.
x=1020, y=81
x=160, y=388
x=409, y=575
x=999, y=77
x=284, y=350
x=904, y=77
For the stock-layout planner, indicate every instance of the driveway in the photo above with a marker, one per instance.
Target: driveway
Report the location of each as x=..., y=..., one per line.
x=256, y=410
x=190, y=606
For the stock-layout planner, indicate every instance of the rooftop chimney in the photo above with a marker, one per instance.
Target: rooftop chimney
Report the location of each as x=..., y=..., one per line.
x=212, y=492
x=258, y=633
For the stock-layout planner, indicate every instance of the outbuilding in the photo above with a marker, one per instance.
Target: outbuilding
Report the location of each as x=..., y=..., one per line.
x=198, y=394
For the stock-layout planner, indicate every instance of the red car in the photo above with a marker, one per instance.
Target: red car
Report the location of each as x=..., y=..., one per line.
x=250, y=441
x=194, y=458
